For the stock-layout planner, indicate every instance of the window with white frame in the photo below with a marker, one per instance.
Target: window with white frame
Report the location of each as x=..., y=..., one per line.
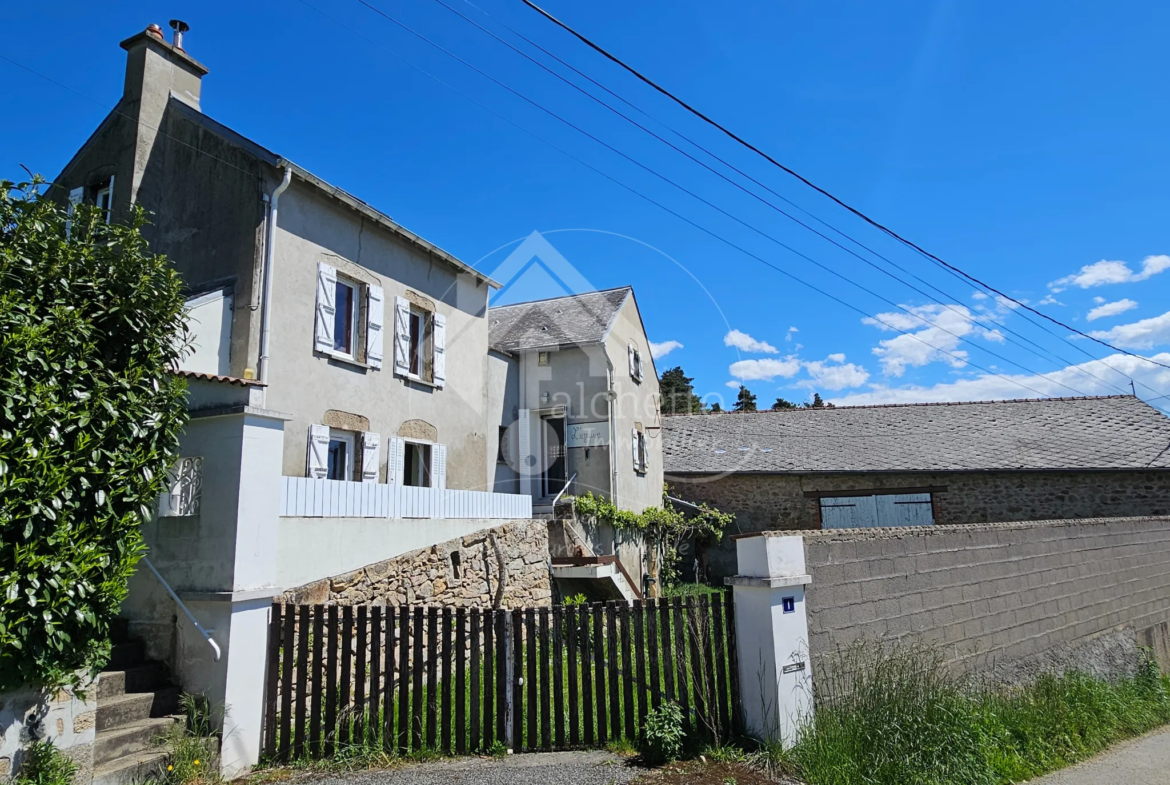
x=638, y=443
x=635, y=362
x=416, y=463
x=103, y=198
x=344, y=329
x=420, y=337
x=337, y=454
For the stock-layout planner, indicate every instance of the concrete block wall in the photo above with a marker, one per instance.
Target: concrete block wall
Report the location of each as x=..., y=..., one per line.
x=1007, y=599
x=60, y=717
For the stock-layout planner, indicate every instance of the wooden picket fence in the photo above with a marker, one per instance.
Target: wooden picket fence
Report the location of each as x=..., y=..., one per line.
x=461, y=680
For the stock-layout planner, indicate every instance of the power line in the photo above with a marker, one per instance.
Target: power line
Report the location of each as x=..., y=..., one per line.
x=817, y=188
x=735, y=218
x=632, y=190
x=1049, y=354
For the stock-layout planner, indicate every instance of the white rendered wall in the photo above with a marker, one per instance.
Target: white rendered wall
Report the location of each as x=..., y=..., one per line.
x=310, y=549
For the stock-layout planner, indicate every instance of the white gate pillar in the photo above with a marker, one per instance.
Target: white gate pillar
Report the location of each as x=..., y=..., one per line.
x=771, y=630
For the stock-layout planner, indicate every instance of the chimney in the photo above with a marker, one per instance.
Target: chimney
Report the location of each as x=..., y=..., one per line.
x=155, y=69
x=180, y=27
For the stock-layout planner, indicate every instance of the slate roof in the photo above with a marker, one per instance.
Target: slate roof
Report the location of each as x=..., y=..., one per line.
x=1114, y=432
x=560, y=321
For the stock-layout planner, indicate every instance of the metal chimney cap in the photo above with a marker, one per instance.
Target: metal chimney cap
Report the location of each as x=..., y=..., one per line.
x=179, y=26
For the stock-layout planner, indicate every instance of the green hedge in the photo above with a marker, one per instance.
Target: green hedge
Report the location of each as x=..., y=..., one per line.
x=89, y=425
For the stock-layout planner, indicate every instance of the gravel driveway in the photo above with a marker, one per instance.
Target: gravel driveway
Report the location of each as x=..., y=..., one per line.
x=1144, y=761
x=548, y=768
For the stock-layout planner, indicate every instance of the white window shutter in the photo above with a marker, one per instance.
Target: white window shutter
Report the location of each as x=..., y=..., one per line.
x=375, y=318
x=401, y=336
x=110, y=210
x=439, y=466
x=326, y=307
x=633, y=370
x=636, y=449
x=371, y=455
x=439, y=339
x=395, y=460
x=317, y=465
x=75, y=197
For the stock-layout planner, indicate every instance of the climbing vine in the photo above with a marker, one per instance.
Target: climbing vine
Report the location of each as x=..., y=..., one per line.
x=666, y=527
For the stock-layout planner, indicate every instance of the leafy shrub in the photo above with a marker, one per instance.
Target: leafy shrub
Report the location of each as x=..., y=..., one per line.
x=44, y=764
x=691, y=590
x=662, y=735
x=89, y=425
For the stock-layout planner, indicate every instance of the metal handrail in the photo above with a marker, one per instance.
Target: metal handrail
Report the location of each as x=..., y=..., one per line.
x=564, y=488
x=683, y=501
x=205, y=633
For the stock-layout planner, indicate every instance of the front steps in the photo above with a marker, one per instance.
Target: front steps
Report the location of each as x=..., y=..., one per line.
x=136, y=704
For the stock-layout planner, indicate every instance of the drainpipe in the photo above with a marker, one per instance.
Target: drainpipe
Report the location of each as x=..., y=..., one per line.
x=613, y=460
x=269, y=255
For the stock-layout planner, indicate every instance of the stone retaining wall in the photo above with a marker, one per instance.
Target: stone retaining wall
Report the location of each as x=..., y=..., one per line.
x=462, y=572
x=60, y=717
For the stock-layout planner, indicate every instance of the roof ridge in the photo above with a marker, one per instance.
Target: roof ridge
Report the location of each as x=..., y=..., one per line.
x=561, y=297
x=908, y=405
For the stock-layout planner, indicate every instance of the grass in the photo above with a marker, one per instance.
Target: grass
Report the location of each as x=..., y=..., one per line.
x=44, y=764
x=690, y=590
x=897, y=715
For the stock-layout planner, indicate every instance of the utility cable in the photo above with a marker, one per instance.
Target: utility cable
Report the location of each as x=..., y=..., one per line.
x=945, y=296
x=822, y=191
x=790, y=249
x=646, y=198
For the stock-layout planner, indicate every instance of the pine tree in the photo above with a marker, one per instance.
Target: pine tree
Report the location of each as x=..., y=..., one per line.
x=782, y=403
x=678, y=395
x=746, y=401
x=817, y=403
x=716, y=408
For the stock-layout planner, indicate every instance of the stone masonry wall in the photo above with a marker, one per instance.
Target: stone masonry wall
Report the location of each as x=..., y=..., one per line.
x=1011, y=599
x=458, y=573
x=60, y=717
x=772, y=502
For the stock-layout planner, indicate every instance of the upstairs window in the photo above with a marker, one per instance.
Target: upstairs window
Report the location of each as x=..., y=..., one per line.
x=103, y=199
x=635, y=356
x=345, y=317
x=640, y=450
x=420, y=338
x=343, y=328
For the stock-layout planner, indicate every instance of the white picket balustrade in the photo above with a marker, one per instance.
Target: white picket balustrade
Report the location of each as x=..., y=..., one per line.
x=304, y=497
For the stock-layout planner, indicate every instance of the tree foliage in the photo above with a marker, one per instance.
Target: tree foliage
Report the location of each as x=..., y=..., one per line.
x=678, y=395
x=817, y=403
x=783, y=403
x=88, y=429
x=745, y=401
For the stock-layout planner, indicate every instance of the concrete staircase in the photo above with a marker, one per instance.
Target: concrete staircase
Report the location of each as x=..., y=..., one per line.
x=136, y=704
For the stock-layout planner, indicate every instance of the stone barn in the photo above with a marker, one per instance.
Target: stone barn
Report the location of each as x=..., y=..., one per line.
x=921, y=464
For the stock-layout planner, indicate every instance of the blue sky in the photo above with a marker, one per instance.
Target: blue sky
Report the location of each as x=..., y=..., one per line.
x=1024, y=143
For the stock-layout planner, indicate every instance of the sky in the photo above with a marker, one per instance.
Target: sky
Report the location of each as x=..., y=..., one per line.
x=1024, y=143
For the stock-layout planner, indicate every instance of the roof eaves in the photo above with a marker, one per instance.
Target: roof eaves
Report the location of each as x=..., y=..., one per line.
x=384, y=220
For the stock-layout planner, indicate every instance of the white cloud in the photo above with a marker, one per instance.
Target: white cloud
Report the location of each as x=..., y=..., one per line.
x=938, y=330
x=979, y=295
x=994, y=335
x=746, y=343
x=1114, y=372
x=1098, y=300
x=788, y=336
x=734, y=384
x=1110, y=309
x=1107, y=272
x=658, y=350
x=765, y=370
x=1145, y=334
x=1050, y=300
x=834, y=377
x=836, y=358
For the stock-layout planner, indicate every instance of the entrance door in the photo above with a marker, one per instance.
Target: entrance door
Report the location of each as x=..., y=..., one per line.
x=552, y=479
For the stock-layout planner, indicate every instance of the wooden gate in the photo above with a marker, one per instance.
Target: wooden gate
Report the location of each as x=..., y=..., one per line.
x=462, y=680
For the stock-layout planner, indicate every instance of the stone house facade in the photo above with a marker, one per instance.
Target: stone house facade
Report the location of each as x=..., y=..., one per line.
x=922, y=464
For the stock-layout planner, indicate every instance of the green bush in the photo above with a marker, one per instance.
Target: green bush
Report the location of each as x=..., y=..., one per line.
x=89, y=425
x=890, y=715
x=44, y=764
x=662, y=735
